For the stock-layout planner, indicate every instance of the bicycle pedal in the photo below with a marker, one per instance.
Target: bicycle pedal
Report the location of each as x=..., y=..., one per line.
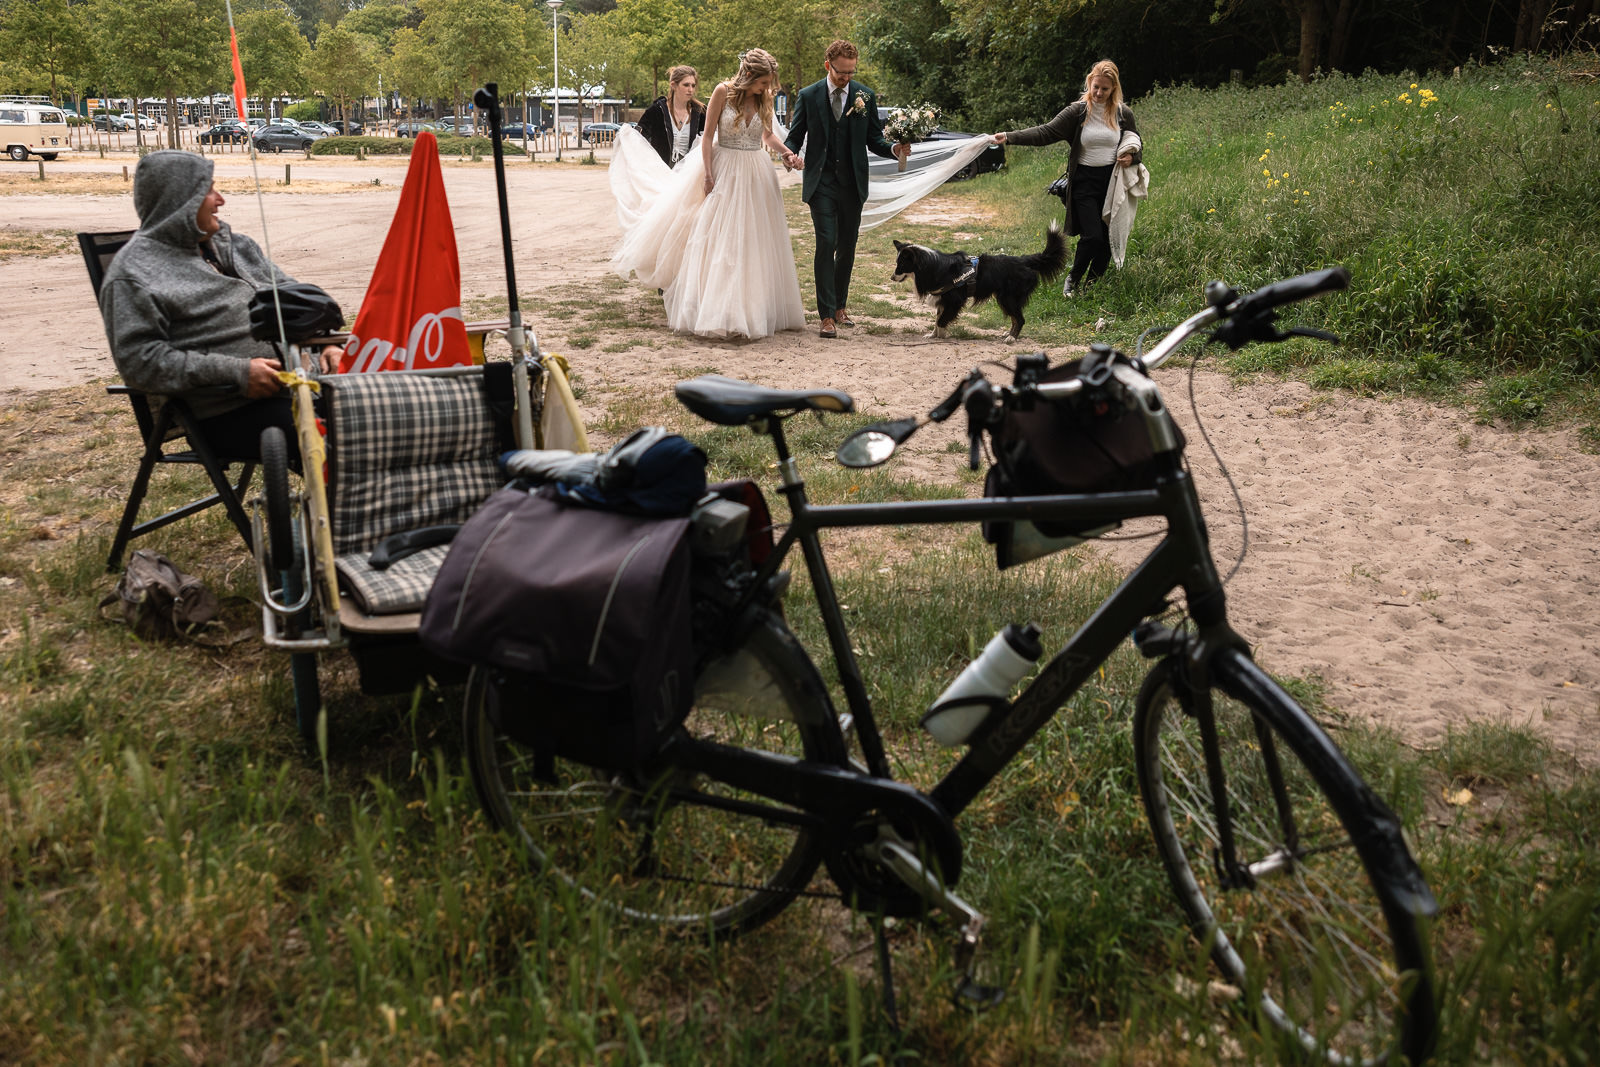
x=975, y=996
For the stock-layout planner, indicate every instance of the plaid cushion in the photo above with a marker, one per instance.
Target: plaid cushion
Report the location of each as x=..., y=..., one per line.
x=399, y=589
x=404, y=452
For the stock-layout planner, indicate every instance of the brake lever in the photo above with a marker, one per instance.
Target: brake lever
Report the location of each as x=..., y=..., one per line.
x=979, y=400
x=950, y=404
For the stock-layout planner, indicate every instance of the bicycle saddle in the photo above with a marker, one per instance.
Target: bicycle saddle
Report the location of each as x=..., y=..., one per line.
x=730, y=402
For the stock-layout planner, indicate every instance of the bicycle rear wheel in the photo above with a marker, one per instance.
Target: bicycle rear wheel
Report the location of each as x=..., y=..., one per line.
x=652, y=845
x=1326, y=940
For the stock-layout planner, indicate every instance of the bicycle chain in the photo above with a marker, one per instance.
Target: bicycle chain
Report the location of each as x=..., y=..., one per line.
x=816, y=893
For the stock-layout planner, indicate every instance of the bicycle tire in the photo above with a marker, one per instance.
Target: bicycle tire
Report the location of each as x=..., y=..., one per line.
x=612, y=836
x=275, y=488
x=1328, y=943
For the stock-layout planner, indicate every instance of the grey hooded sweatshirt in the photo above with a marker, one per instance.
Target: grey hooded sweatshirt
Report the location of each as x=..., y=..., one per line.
x=178, y=322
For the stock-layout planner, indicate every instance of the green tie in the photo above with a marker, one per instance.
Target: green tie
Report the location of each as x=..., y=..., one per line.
x=838, y=104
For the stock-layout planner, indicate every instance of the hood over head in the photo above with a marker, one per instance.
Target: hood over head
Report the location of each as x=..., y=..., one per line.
x=168, y=187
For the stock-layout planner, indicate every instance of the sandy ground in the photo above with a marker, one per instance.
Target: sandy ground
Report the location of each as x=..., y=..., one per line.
x=1430, y=571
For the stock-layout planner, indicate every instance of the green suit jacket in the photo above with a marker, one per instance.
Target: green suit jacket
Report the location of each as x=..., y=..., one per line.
x=861, y=130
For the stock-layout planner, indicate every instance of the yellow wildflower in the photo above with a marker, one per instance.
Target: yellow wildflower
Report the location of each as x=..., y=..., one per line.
x=1285, y=174
x=1266, y=173
x=1413, y=85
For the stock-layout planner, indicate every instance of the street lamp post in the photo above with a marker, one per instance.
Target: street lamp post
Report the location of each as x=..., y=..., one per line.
x=555, y=70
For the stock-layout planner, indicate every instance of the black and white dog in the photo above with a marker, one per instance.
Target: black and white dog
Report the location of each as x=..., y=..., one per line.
x=948, y=280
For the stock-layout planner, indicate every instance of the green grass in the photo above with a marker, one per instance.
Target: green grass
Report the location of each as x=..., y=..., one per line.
x=181, y=881
x=1471, y=228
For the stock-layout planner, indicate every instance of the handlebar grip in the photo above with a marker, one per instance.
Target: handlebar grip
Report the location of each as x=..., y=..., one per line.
x=1291, y=289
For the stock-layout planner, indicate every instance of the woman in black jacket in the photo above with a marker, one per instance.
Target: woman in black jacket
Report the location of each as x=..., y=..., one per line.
x=673, y=122
x=1098, y=128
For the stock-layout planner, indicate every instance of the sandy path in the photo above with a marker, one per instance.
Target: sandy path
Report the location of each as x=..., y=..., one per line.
x=1431, y=571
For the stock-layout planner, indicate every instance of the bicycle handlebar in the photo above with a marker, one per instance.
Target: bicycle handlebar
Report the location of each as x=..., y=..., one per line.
x=1290, y=290
x=1243, y=319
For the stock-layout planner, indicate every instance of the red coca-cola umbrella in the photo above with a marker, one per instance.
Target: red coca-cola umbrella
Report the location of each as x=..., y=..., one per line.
x=411, y=316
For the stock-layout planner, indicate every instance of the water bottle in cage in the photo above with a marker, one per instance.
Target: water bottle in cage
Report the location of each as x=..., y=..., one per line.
x=985, y=684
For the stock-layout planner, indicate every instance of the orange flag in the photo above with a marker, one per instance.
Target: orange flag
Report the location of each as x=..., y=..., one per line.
x=238, y=73
x=411, y=315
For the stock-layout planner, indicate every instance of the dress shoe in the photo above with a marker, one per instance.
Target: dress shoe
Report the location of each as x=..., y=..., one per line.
x=843, y=318
x=828, y=329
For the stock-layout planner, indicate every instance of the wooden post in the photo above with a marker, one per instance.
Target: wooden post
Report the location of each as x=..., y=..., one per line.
x=41, y=170
x=286, y=174
x=124, y=172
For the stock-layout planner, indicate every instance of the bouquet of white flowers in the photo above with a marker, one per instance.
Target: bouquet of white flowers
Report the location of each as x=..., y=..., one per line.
x=913, y=122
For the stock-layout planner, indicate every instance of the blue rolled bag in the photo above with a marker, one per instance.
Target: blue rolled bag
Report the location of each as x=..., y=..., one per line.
x=572, y=584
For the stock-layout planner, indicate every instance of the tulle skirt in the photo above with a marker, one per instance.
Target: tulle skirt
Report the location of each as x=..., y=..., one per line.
x=723, y=262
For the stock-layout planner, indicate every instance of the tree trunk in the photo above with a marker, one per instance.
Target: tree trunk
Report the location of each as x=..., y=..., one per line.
x=172, y=119
x=1339, y=39
x=1530, y=24
x=1311, y=29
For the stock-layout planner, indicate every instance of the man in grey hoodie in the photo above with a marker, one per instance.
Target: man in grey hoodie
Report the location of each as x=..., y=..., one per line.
x=176, y=304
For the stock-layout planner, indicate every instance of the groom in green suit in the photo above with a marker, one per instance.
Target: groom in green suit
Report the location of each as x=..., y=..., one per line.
x=841, y=118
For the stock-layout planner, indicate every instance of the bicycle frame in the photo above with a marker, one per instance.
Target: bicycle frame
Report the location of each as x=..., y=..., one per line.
x=1181, y=559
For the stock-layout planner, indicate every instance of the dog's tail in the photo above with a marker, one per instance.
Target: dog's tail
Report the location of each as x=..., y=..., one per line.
x=1049, y=263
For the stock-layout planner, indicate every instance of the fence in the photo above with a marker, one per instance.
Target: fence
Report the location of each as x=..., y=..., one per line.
x=86, y=138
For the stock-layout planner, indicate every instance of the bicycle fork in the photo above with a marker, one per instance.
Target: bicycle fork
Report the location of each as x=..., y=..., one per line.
x=896, y=855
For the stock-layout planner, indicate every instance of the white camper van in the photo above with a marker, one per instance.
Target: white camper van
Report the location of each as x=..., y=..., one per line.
x=32, y=124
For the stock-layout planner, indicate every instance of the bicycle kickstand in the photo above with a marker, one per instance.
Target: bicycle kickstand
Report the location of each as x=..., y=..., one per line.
x=897, y=856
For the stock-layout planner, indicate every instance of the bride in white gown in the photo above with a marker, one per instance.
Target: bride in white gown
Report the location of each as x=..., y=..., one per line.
x=712, y=234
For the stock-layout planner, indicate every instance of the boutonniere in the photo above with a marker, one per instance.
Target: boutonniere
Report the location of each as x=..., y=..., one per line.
x=859, y=103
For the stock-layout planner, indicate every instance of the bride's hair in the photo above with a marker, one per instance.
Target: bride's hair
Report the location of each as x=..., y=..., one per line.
x=754, y=64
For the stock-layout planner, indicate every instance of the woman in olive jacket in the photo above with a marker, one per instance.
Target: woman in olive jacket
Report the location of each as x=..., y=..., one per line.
x=673, y=122
x=1100, y=129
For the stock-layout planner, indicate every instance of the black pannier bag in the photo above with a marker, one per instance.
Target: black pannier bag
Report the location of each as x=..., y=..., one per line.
x=584, y=612
x=1063, y=446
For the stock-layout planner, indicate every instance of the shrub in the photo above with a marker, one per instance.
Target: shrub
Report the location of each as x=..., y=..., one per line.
x=476, y=147
x=371, y=146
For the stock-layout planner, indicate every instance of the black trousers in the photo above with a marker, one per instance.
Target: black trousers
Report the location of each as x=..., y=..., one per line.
x=836, y=216
x=1093, y=256
x=237, y=433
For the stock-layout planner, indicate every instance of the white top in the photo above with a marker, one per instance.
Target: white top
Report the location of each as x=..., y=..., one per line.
x=680, y=135
x=1097, y=143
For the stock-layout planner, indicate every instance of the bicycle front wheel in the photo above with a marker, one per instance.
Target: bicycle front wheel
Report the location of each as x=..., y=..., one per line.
x=665, y=846
x=1320, y=925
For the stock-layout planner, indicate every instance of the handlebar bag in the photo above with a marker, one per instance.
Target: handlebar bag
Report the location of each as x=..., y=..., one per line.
x=586, y=615
x=1074, y=445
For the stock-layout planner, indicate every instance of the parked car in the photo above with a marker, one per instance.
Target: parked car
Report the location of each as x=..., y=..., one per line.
x=513, y=131
x=257, y=122
x=411, y=129
x=278, y=136
x=600, y=133
x=145, y=121
x=463, y=128
x=319, y=128
x=347, y=126
x=228, y=131
x=111, y=123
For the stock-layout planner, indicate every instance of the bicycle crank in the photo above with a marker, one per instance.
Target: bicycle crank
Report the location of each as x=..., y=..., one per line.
x=893, y=852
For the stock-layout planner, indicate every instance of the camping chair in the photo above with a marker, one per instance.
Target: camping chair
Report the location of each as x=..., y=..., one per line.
x=171, y=421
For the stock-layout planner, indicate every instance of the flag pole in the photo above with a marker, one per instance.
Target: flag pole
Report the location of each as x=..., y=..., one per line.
x=488, y=99
x=239, y=95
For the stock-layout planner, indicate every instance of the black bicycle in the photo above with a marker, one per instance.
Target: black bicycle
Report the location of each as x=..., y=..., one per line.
x=1292, y=870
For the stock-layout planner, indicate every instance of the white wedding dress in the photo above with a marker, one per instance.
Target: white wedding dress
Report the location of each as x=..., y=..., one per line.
x=723, y=262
